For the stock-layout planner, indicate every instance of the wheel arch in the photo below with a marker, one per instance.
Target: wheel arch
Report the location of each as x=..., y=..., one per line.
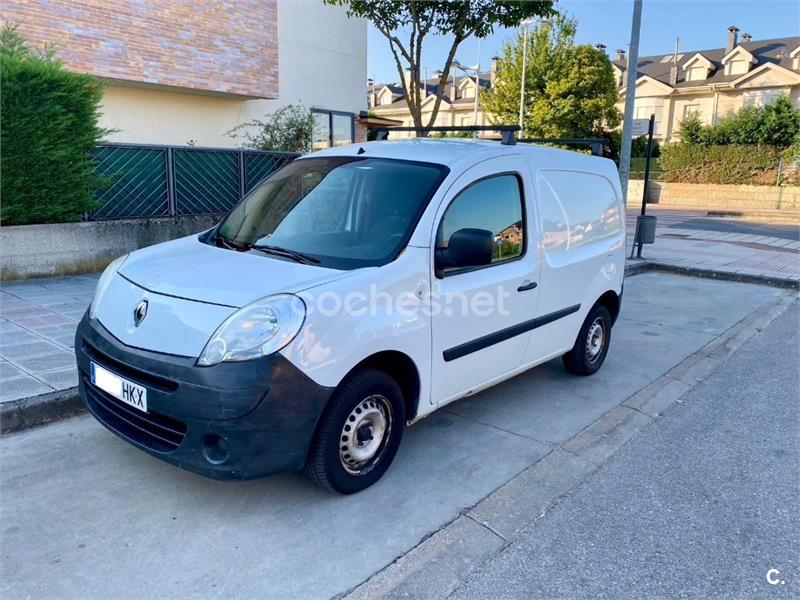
x=400, y=367
x=611, y=301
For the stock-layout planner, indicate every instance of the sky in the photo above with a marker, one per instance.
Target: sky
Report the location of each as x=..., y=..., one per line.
x=700, y=24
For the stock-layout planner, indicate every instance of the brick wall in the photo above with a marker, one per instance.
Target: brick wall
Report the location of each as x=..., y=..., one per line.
x=225, y=46
x=361, y=131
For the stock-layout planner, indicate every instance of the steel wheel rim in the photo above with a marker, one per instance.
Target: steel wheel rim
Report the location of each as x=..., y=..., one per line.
x=595, y=340
x=365, y=434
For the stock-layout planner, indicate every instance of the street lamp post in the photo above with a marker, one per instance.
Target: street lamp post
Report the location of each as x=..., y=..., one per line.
x=477, y=86
x=525, y=24
x=630, y=93
x=468, y=71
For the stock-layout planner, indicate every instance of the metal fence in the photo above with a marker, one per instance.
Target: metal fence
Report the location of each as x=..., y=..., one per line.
x=140, y=180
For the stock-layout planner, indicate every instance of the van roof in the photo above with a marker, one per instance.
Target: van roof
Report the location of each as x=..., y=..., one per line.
x=450, y=151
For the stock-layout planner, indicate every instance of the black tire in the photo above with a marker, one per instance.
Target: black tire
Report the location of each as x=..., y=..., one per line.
x=586, y=357
x=381, y=400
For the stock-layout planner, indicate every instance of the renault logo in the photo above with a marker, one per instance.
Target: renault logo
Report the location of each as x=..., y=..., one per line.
x=140, y=312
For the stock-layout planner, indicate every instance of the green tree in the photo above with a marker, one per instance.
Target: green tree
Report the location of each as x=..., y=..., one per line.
x=288, y=129
x=570, y=91
x=457, y=20
x=549, y=43
x=579, y=103
x=49, y=129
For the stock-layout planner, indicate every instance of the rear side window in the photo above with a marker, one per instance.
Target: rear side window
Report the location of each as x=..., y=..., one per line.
x=576, y=209
x=494, y=204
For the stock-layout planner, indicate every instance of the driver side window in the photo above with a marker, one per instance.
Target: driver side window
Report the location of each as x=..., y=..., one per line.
x=495, y=205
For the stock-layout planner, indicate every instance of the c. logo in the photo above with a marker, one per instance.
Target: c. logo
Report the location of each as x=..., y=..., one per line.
x=140, y=312
x=772, y=577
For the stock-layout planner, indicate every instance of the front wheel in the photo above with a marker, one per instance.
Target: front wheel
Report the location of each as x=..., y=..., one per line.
x=591, y=346
x=359, y=433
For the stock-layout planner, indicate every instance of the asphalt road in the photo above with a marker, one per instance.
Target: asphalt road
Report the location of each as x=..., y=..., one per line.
x=702, y=504
x=724, y=225
x=693, y=219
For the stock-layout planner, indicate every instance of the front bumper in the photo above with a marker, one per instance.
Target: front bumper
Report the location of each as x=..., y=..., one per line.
x=236, y=420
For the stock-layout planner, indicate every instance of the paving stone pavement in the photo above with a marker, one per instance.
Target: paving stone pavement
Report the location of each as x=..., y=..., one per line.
x=37, y=330
x=724, y=252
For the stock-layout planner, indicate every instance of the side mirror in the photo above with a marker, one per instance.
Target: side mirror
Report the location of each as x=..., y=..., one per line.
x=467, y=248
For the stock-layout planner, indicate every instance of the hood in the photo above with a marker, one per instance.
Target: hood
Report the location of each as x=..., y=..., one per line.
x=187, y=268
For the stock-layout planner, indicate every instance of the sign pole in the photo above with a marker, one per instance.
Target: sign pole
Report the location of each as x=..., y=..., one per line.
x=650, y=128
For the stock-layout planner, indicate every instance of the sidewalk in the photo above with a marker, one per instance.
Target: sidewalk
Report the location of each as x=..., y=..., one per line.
x=768, y=259
x=37, y=329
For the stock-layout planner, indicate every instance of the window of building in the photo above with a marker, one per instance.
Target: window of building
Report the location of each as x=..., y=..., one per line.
x=644, y=107
x=493, y=204
x=692, y=109
x=696, y=74
x=332, y=128
x=762, y=97
x=737, y=67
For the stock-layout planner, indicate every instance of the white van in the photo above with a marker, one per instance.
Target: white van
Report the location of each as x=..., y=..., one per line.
x=352, y=293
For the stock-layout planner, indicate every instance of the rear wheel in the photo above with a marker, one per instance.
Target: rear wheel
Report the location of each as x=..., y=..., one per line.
x=359, y=434
x=591, y=346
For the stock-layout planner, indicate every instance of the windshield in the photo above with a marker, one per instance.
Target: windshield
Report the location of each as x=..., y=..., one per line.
x=341, y=212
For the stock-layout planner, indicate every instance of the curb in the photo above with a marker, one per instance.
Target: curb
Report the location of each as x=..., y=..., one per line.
x=645, y=265
x=638, y=267
x=439, y=564
x=34, y=411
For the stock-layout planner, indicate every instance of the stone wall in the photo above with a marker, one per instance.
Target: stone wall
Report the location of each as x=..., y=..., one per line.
x=717, y=197
x=28, y=251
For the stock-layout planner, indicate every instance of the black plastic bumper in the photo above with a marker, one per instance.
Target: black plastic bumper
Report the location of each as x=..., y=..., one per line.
x=237, y=420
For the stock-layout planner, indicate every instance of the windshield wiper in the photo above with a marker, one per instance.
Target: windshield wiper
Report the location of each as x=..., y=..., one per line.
x=278, y=251
x=219, y=239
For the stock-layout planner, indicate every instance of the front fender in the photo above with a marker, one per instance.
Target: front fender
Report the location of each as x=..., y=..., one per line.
x=373, y=311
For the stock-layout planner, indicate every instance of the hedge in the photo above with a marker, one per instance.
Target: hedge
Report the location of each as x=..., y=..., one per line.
x=48, y=130
x=732, y=164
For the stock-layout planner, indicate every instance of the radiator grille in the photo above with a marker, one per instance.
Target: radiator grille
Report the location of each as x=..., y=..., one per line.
x=152, y=430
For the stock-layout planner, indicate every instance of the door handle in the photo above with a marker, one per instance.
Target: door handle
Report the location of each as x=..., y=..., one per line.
x=527, y=285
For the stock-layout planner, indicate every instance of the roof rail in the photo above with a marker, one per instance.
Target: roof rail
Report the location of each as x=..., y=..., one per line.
x=596, y=143
x=507, y=131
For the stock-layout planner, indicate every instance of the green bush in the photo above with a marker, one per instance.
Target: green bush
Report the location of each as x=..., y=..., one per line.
x=639, y=147
x=733, y=164
x=49, y=127
x=777, y=124
x=288, y=129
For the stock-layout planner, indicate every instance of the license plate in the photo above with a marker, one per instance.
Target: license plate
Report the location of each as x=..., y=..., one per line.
x=122, y=389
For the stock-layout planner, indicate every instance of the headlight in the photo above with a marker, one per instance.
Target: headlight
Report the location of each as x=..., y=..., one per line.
x=258, y=329
x=104, y=282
